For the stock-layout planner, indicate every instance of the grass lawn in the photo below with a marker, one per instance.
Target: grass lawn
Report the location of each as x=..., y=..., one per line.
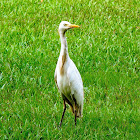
x=106, y=51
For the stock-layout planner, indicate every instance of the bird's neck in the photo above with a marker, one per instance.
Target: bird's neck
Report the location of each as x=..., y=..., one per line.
x=64, y=47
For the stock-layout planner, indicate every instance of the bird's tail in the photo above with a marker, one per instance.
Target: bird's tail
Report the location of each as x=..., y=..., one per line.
x=79, y=110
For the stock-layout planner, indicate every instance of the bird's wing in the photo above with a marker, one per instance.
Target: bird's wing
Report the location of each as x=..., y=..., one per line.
x=76, y=86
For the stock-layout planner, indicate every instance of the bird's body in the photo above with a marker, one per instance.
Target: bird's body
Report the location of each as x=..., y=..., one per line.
x=67, y=76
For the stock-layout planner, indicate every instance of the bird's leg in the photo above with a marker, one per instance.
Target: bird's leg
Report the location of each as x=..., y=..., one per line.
x=75, y=110
x=63, y=113
x=75, y=116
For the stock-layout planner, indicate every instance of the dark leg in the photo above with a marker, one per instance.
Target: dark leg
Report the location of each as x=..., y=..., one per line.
x=75, y=115
x=63, y=113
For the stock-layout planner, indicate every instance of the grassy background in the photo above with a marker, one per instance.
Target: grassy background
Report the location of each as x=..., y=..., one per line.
x=105, y=50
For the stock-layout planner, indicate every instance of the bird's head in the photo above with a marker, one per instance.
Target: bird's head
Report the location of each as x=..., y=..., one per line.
x=65, y=25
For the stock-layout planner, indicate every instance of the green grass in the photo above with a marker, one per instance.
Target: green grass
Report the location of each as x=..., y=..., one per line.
x=105, y=50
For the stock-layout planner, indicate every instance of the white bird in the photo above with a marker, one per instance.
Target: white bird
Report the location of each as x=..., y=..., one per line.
x=67, y=76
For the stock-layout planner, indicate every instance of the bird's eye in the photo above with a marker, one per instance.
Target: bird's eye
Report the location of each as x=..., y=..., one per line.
x=65, y=24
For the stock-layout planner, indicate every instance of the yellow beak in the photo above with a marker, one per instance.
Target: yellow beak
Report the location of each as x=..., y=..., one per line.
x=73, y=26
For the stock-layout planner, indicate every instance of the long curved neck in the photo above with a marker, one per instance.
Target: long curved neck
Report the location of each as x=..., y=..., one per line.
x=64, y=47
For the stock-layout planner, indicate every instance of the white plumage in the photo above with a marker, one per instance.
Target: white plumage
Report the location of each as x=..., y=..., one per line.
x=67, y=77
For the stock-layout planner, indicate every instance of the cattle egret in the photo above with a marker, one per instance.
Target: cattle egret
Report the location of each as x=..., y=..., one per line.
x=67, y=76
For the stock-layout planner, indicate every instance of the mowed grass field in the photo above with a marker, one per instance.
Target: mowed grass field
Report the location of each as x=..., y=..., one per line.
x=106, y=51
